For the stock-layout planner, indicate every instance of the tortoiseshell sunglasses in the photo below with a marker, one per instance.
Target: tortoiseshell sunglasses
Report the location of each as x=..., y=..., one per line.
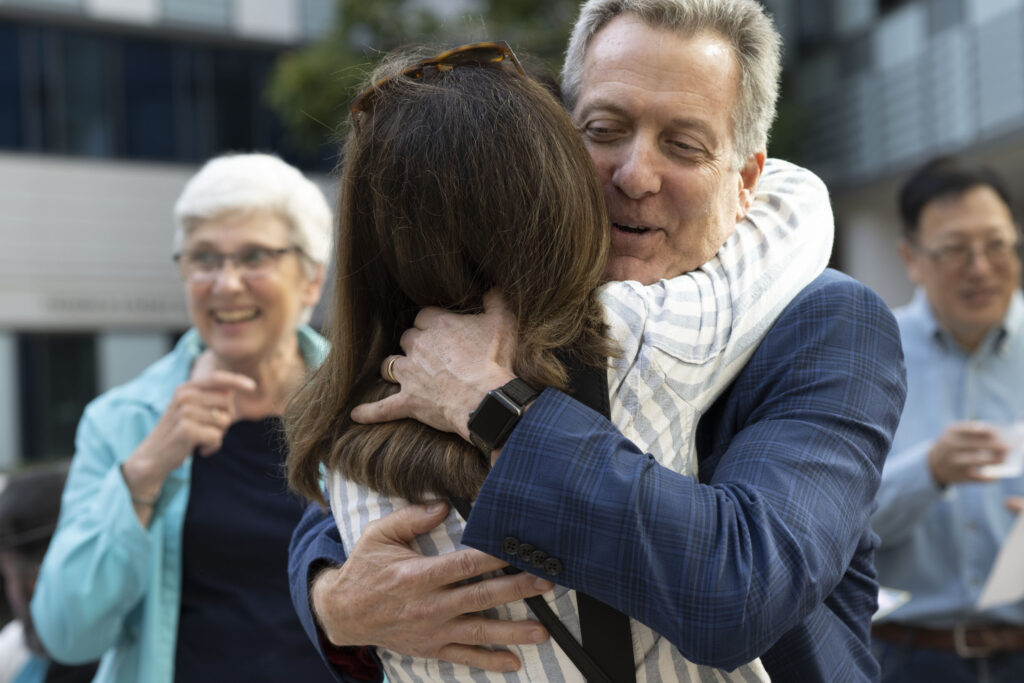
x=474, y=54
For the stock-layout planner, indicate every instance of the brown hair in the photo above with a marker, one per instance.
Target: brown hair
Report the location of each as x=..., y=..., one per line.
x=471, y=179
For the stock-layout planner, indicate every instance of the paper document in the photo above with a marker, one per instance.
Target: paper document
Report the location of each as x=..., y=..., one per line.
x=1013, y=465
x=1006, y=580
x=888, y=600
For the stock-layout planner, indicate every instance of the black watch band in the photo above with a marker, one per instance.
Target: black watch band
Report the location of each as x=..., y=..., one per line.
x=496, y=416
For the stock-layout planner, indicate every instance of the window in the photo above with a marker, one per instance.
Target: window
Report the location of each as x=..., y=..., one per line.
x=10, y=87
x=83, y=65
x=90, y=93
x=56, y=378
x=148, y=86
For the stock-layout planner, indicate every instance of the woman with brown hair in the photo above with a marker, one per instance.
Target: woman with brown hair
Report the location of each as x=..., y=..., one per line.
x=462, y=176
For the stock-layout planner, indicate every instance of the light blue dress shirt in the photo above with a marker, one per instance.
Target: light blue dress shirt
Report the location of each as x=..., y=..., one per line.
x=941, y=544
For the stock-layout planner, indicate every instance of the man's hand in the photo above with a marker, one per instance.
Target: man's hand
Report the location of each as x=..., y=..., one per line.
x=964, y=448
x=387, y=595
x=451, y=362
x=1015, y=504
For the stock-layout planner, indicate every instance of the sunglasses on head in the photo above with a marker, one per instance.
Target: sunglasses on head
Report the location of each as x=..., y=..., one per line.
x=474, y=54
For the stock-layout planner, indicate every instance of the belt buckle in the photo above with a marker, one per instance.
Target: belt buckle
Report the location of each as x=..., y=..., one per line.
x=962, y=648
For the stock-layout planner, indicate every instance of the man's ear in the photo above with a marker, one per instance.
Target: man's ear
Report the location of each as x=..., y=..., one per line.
x=909, y=257
x=749, y=174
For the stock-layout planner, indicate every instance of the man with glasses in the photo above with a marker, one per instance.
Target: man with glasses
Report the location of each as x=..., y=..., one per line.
x=944, y=505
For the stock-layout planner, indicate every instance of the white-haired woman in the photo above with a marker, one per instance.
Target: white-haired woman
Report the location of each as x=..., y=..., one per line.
x=172, y=567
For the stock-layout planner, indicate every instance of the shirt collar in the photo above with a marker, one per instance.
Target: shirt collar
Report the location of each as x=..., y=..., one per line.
x=998, y=339
x=312, y=346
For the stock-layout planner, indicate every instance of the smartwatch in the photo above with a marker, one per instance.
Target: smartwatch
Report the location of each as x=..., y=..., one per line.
x=496, y=416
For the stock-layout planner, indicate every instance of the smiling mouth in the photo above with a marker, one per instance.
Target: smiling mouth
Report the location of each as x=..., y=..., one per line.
x=235, y=316
x=631, y=229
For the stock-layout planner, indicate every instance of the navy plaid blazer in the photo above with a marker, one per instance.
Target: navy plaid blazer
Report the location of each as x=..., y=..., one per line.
x=770, y=553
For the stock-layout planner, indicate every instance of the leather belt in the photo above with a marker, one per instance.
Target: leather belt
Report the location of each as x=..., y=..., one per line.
x=966, y=641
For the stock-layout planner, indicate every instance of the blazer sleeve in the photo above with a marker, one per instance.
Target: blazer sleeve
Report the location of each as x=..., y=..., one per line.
x=315, y=544
x=724, y=566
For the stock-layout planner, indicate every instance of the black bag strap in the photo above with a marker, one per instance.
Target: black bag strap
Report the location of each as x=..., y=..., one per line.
x=606, y=655
x=605, y=630
x=587, y=665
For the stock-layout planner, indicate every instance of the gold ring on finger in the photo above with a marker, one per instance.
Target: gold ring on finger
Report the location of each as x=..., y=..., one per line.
x=389, y=371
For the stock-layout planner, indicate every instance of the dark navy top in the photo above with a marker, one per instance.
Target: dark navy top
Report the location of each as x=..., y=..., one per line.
x=237, y=622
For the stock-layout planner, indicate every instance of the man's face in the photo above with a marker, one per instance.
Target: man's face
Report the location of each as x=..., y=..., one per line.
x=964, y=261
x=656, y=111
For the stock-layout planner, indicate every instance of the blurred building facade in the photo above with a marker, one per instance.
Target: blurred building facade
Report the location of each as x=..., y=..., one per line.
x=883, y=85
x=106, y=108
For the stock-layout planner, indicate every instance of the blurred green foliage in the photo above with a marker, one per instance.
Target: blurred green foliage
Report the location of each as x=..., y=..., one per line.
x=310, y=88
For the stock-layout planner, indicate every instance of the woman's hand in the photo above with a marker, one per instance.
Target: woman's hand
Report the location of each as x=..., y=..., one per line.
x=199, y=413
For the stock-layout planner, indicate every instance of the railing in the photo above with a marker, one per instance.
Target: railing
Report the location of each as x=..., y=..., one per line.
x=965, y=89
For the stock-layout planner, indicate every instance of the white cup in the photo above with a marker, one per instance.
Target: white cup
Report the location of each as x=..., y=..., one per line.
x=1013, y=465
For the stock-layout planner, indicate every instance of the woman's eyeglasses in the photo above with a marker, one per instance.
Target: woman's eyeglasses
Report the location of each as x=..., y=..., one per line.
x=474, y=54
x=203, y=265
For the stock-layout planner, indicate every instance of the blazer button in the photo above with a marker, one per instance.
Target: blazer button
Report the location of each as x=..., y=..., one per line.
x=525, y=551
x=538, y=558
x=510, y=545
x=552, y=566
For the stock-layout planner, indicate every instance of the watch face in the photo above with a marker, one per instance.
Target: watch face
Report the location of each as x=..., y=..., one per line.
x=493, y=418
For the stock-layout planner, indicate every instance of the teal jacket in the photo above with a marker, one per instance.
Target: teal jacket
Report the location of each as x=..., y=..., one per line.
x=110, y=587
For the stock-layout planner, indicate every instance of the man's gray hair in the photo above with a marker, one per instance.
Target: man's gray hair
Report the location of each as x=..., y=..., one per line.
x=741, y=23
x=251, y=182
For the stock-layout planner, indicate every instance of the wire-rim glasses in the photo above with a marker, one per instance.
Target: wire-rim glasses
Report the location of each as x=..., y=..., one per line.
x=252, y=262
x=957, y=257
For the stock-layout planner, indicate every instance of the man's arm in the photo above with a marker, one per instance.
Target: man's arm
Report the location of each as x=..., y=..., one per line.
x=917, y=476
x=697, y=330
x=723, y=568
x=316, y=546
x=388, y=595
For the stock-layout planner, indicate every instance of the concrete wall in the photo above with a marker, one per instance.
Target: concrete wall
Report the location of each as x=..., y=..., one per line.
x=9, y=427
x=87, y=244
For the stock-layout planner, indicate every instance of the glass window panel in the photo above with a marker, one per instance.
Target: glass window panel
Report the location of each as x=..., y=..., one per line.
x=193, y=103
x=88, y=95
x=148, y=70
x=38, y=91
x=57, y=378
x=234, y=103
x=10, y=88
